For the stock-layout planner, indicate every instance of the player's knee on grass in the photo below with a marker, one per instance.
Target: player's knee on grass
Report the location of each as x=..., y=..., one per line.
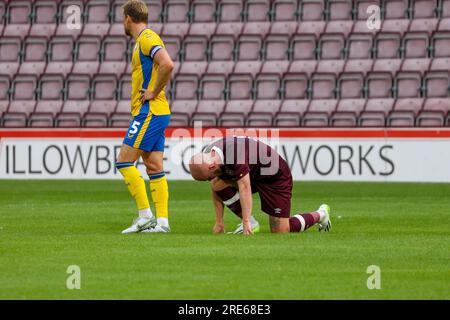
x=279, y=225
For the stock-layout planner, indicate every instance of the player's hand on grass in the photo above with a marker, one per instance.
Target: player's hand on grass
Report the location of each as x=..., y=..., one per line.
x=218, y=228
x=146, y=95
x=247, y=228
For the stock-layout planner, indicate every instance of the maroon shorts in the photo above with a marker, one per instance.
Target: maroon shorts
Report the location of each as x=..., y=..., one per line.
x=275, y=193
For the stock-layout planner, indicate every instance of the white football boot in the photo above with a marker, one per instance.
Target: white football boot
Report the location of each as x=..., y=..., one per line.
x=140, y=224
x=240, y=227
x=324, y=223
x=156, y=229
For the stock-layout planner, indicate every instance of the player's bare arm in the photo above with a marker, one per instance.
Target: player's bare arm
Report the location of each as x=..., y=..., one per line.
x=219, y=226
x=165, y=67
x=245, y=192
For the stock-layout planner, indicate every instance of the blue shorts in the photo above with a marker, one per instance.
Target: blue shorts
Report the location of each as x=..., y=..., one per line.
x=146, y=132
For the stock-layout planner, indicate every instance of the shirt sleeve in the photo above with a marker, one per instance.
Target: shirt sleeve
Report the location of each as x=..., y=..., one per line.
x=151, y=44
x=241, y=170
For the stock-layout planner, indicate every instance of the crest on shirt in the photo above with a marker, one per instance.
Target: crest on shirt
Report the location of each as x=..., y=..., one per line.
x=277, y=210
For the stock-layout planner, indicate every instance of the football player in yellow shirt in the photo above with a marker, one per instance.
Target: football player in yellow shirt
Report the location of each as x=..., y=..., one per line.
x=151, y=70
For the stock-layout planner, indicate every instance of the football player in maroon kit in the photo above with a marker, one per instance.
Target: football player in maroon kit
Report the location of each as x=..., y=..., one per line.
x=240, y=166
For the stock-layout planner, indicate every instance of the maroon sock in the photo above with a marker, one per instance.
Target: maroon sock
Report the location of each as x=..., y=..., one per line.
x=301, y=222
x=230, y=197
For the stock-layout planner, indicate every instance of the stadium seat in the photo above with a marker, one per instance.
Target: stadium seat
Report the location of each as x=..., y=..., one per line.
x=220, y=67
x=440, y=45
x=97, y=11
x=10, y=49
x=124, y=92
x=302, y=47
x=267, y=86
x=436, y=84
x=417, y=65
x=112, y=54
x=98, y=113
x=221, y=47
x=212, y=86
x=230, y=10
x=34, y=56
x=256, y=10
x=23, y=87
x=318, y=113
x=307, y=67
x=347, y=113
x=239, y=87
x=51, y=87
x=290, y=113
x=311, y=27
x=350, y=85
x=424, y=8
x=279, y=67
x=407, y=84
x=104, y=87
x=194, y=48
x=72, y=113
x=387, y=65
x=433, y=113
x=18, y=113
x=387, y=46
x=263, y=113
x=249, y=47
x=121, y=117
x=284, y=10
x=176, y=11
x=378, y=85
x=445, y=9
x=311, y=10
x=415, y=45
x=275, y=47
x=182, y=111
x=339, y=10
x=396, y=9
x=185, y=87
x=322, y=86
x=284, y=28
x=248, y=67
x=5, y=83
x=44, y=113
x=405, y=112
x=235, y=113
x=331, y=66
x=77, y=87
x=59, y=55
x=86, y=54
x=155, y=10
x=294, y=86
x=203, y=11
x=19, y=12
x=361, y=7
x=331, y=46
x=341, y=27
x=358, y=65
x=395, y=26
x=359, y=46
x=375, y=113
x=208, y=111
x=440, y=64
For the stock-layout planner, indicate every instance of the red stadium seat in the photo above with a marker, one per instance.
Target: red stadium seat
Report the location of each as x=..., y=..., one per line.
x=311, y=10
x=124, y=92
x=18, y=113
x=339, y=10
x=212, y=86
x=77, y=87
x=387, y=65
x=267, y=86
x=98, y=113
x=284, y=10
x=290, y=113
x=51, y=87
x=208, y=111
x=387, y=46
x=185, y=86
x=72, y=113
x=331, y=46
x=5, y=83
x=194, y=48
x=294, y=86
x=408, y=84
x=359, y=46
x=440, y=44
x=311, y=27
x=60, y=55
x=284, y=28
x=97, y=11
x=357, y=65
x=230, y=10
x=220, y=67
x=104, y=87
x=342, y=27
x=395, y=9
x=445, y=9
x=239, y=87
x=275, y=47
x=319, y=112
x=34, y=56
x=279, y=67
x=19, y=12
x=415, y=45
x=10, y=49
x=257, y=10
x=350, y=85
x=176, y=11
x=424, y=8
x=437, y=84
x=378, y=85
x=375, y=112
x=302, y=47
x=361, y=7
x=307, y=67
x=322, y=86
x=221, y=47
x=235, y=113
x=23, y=87
x=347, y=113
x=203, y=11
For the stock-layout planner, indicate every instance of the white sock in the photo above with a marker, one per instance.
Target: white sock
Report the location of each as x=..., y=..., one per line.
x=145, y=213
x=321, y=214
x=163, y=222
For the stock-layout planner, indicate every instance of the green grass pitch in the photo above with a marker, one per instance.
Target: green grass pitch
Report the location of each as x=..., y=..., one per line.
x=45, y=226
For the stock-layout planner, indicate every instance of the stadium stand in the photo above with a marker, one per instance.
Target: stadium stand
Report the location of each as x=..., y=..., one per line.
x=311, y=63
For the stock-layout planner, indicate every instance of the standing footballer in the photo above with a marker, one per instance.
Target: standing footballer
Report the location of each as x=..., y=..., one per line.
x=151, y=70
x=240, y=166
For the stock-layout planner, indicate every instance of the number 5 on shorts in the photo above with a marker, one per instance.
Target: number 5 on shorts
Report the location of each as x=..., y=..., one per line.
x=134, y=127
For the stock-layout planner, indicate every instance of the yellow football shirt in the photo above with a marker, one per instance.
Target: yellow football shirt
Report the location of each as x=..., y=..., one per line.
x=144, y=72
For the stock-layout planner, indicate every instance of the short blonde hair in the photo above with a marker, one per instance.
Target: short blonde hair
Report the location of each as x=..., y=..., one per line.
x=137, y=10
